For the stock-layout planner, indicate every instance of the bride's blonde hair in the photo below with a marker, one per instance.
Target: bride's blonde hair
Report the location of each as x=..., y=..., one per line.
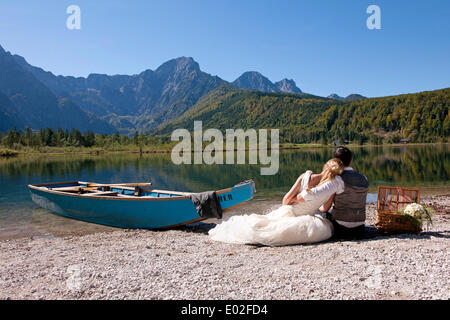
x=334, y=167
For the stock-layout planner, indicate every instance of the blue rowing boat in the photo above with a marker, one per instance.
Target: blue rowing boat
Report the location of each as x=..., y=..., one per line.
x=131, y=205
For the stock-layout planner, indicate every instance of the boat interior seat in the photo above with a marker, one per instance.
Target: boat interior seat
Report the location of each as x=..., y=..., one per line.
x=100, y=193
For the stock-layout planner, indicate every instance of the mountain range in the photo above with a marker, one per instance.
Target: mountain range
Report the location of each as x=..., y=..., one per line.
x=31, y=96
x=26, y=101
x=179, y=92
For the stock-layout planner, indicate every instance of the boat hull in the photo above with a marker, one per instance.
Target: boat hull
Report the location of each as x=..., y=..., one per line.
x=134, y=213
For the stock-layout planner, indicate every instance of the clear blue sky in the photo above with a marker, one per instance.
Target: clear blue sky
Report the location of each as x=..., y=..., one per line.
x=324, y=46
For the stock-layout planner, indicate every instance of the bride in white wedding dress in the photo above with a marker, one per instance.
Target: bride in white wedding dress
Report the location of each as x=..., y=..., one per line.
x=295, y=222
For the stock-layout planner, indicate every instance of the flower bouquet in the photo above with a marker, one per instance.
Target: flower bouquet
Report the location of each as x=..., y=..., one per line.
x=419, y=213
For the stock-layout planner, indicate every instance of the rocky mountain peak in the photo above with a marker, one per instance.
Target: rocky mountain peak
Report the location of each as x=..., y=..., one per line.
x=349, y=98
x=256, y=81
x=178, y=65
x=287, y=85
x=253, y=80
x=335, y=97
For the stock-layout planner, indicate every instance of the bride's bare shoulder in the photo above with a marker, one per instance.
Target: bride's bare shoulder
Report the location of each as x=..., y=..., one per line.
x=315, y=179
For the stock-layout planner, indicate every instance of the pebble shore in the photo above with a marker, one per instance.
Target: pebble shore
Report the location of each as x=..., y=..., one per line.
x=185, y=264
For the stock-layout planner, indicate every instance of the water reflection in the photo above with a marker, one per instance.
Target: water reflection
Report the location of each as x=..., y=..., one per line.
x=421, y=166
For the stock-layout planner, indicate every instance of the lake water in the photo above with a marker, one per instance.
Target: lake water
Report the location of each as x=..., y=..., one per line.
x=427, y=167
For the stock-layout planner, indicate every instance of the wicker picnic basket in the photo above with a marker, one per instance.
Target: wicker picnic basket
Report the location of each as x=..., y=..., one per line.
x=391, y=200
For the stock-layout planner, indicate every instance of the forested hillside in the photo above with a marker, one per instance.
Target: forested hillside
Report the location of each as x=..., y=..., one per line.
x=418, y=117
x=304, y=118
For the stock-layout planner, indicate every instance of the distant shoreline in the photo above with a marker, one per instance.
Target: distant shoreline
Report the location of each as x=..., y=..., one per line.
x=9, y=153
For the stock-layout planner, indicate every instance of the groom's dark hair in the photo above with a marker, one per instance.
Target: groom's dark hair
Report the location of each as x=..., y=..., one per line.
x=344, y=154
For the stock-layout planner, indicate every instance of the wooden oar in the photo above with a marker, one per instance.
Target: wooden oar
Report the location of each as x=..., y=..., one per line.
x=74, y=189
x=138, y=184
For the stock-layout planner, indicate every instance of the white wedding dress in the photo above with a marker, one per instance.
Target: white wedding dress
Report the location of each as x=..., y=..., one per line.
x=287, y=225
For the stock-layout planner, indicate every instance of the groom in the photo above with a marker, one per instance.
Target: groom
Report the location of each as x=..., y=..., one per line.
x=348, y=212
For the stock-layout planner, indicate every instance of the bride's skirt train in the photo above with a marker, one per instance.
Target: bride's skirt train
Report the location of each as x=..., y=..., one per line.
x=279, y=227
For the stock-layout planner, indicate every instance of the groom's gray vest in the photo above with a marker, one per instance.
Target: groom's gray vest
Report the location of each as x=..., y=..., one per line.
x=350, y=206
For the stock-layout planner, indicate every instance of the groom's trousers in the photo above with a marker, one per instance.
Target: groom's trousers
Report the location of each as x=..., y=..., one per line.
x=341, y=232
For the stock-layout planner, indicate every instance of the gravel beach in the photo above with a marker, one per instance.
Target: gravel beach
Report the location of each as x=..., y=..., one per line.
x=185, y=264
